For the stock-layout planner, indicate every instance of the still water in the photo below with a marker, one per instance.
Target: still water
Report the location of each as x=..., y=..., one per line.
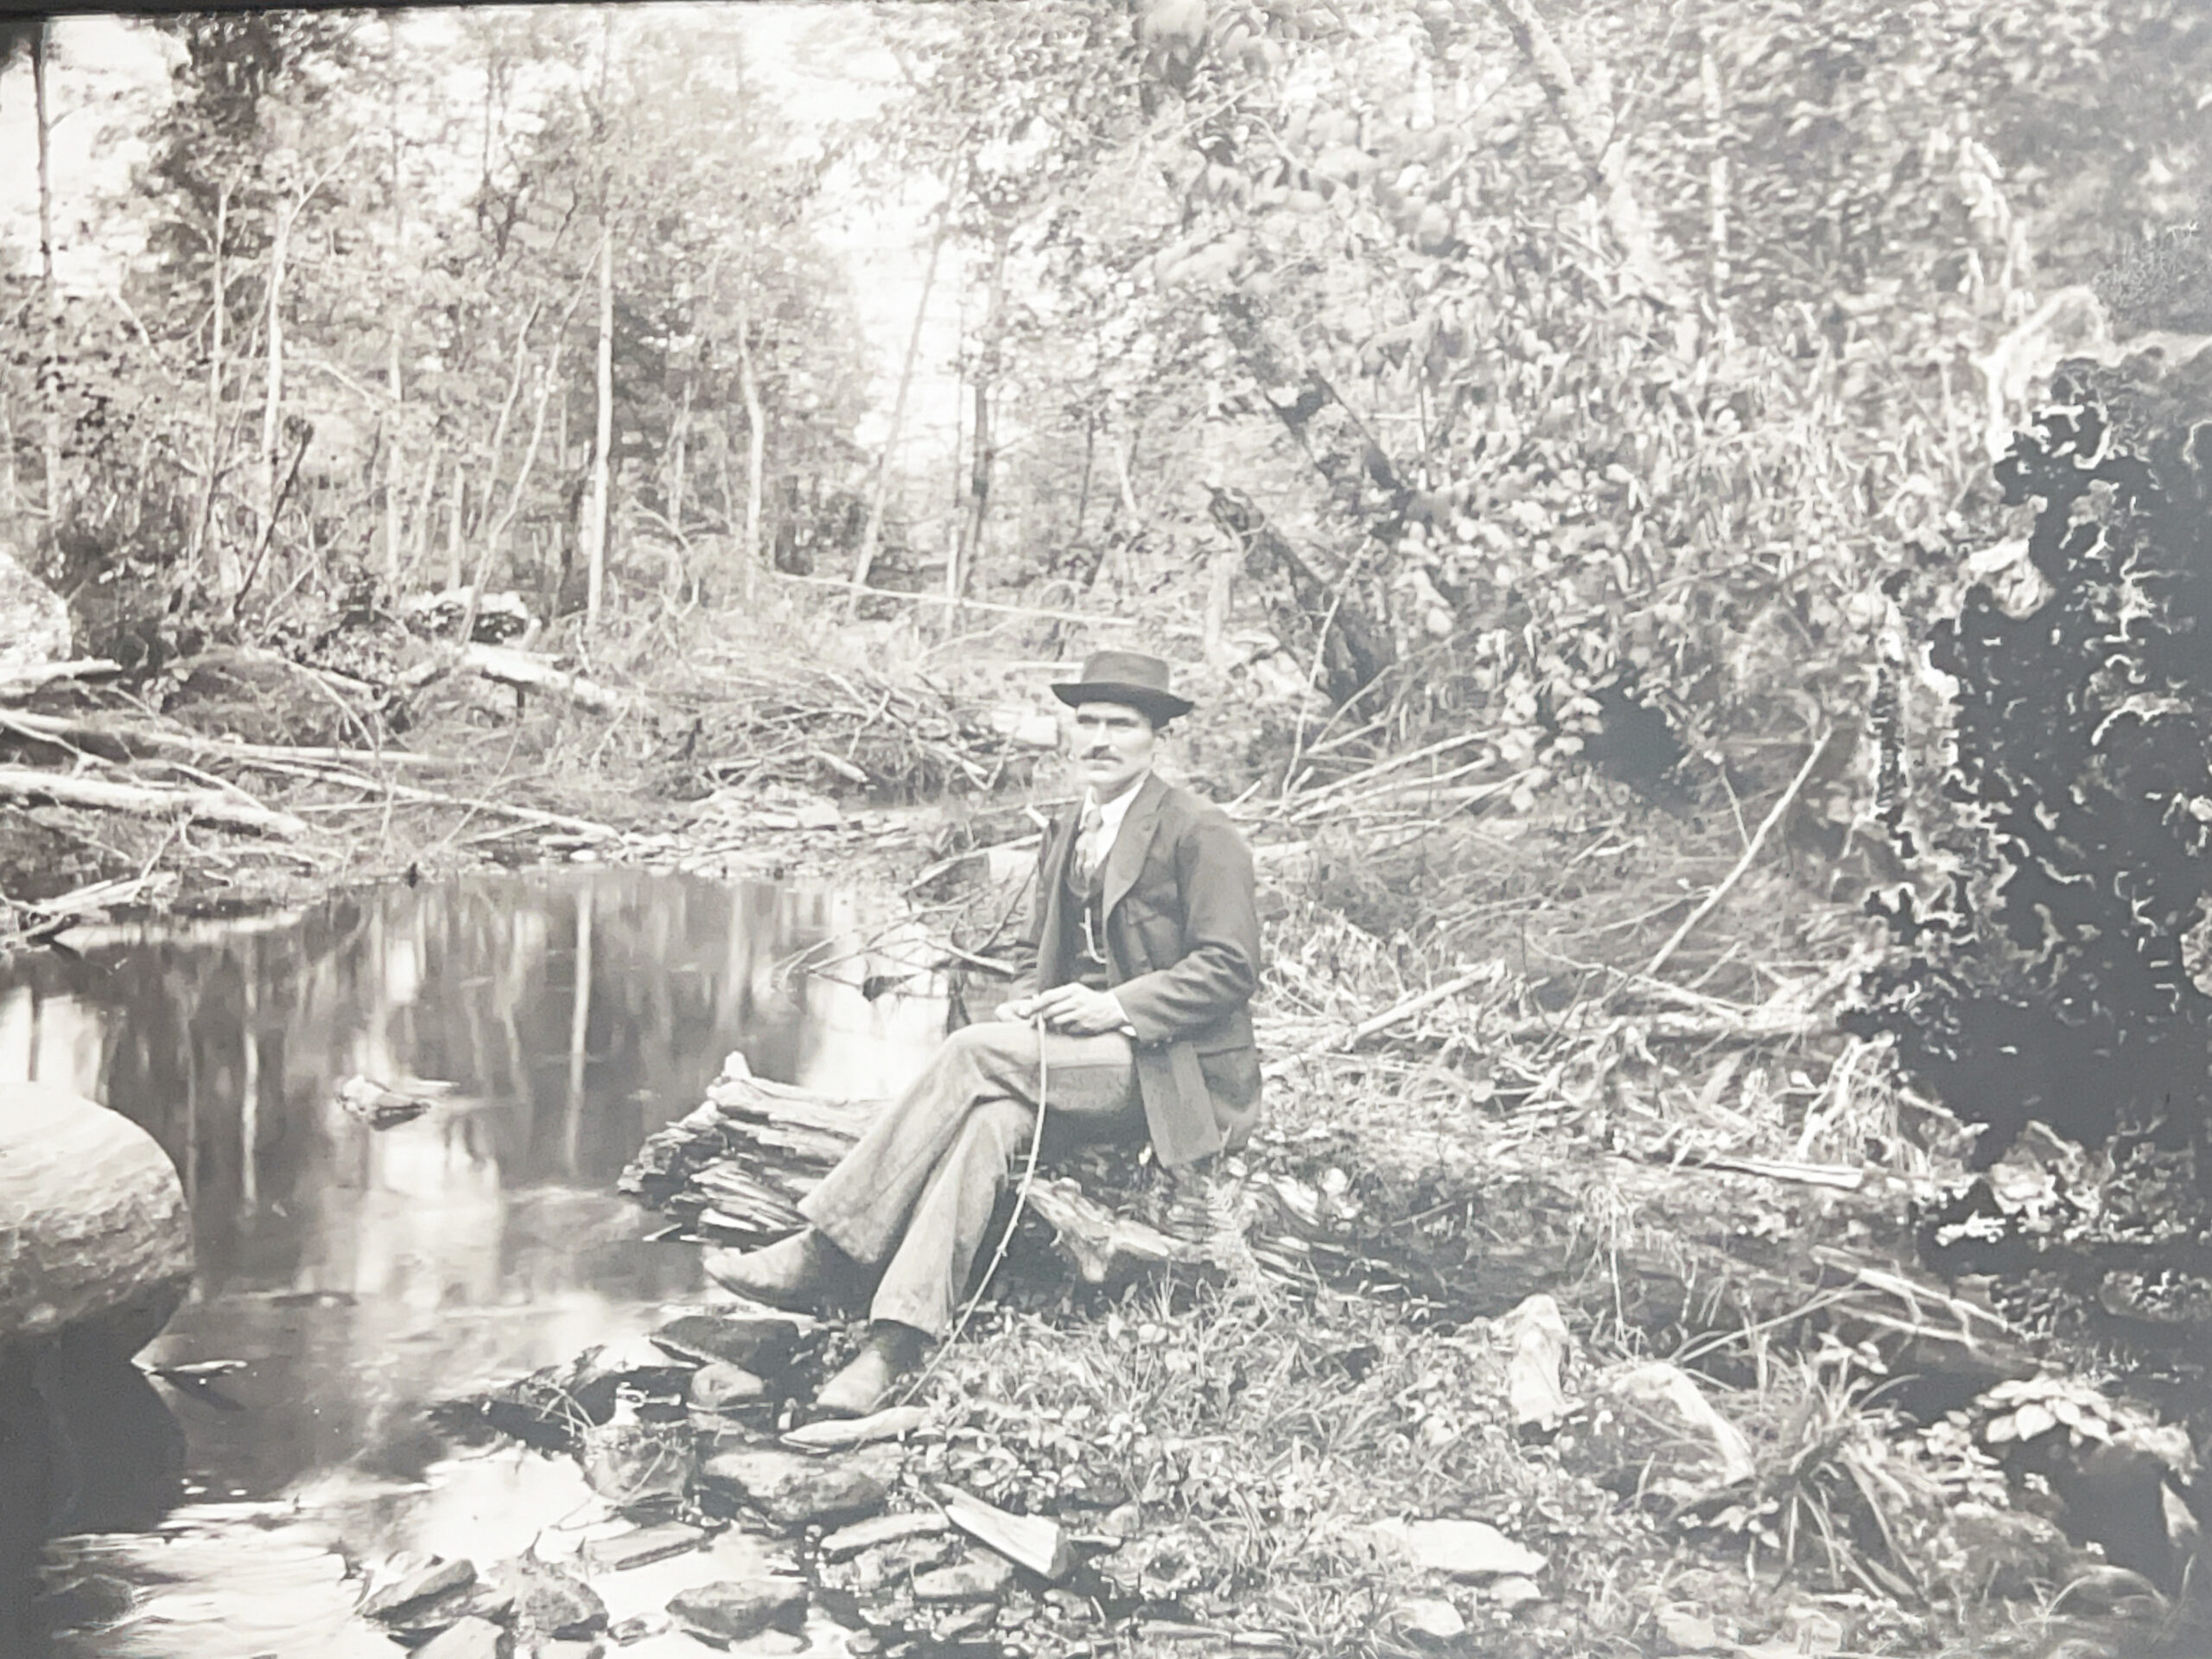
x=358, y=1277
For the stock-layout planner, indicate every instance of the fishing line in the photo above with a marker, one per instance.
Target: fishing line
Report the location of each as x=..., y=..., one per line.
x=1005, y=1239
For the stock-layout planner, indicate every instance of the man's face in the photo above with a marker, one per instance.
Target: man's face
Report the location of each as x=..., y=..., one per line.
x=1113, y=747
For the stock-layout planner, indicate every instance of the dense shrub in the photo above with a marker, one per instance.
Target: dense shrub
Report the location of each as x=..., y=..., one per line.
x=2045, y=962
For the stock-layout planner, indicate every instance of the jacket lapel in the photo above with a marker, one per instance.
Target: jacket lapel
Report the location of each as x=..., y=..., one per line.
x=1125, y=859
x=1054, y=952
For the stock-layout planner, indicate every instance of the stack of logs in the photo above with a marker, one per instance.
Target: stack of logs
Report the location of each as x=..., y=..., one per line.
x=730, y=1172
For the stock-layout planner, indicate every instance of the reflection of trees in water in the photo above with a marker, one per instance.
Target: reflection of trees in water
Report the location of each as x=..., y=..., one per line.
x=222, y=1044
x=362, y=1274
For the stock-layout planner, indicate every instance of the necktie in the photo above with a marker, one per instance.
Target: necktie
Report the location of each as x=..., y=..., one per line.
x=1086, y=842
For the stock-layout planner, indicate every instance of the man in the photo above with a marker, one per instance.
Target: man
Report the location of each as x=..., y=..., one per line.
x=1145, y=948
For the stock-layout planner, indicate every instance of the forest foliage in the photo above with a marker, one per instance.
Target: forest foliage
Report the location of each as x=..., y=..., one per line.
x=1610, y=390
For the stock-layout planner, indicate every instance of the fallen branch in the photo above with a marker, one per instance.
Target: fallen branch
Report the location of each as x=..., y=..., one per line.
x=524, y=814
x=860, y=591
x=524, y=671
x=1750, y=855
x=1389, y=1017
x=147, y=801
x=21, y=682
x=131, y=739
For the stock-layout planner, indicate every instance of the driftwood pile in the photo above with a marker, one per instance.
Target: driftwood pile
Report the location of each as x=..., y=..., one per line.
x=67, y=740
x=750, y=720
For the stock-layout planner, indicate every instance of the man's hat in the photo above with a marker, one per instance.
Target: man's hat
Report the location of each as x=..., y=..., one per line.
x=1129, y=677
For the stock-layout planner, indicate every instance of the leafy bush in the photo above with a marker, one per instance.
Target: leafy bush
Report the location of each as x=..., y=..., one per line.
x=2045, y=971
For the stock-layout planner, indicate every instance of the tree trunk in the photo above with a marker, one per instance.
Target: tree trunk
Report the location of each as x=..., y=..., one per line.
x=679, y=444
x=1602, y=148
x=272, y=410
x=872, y=535
x=99, y=1237
x=454, y=572
x=226, y=574
x=601, y=467
x=56, y=492
x=11, y=497
x=395, y=483
x=755, y=456
x=394, y=517
x=960, y=579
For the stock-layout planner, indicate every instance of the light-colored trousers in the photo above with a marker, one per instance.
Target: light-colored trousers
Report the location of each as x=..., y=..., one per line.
x=916, y=1194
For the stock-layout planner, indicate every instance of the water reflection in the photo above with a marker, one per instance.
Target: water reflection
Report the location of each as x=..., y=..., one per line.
x=358, y=1275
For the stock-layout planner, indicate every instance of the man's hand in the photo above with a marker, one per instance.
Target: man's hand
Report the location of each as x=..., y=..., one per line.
x=1076, y=1010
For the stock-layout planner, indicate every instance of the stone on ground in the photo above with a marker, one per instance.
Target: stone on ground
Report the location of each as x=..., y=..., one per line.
x=737, y=1612
x=794, y=1490
x=980, y=1578
x=1431, y=1618
x=1464, y=1549
x=880, y=1530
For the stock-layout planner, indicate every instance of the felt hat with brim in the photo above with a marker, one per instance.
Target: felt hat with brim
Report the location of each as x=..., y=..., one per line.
x=1125, y=677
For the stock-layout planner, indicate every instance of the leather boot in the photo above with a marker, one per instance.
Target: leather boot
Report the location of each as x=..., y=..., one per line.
x=890, y=1355
x=795, y=1275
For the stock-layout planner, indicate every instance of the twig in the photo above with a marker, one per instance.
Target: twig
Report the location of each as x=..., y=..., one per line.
x=528, y=815
x=1187, y=630
x=1389, y=1017
x=269, y=530
x=146, y=800
x=1751, y=853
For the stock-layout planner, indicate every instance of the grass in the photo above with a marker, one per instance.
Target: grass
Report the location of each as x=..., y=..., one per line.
x=1253, y=1437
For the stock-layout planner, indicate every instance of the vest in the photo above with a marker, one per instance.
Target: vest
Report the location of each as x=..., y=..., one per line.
x=1093, y=969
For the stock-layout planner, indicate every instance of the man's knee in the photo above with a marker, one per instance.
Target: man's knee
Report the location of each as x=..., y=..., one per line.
x=992, y=1048
x=1001, y=1128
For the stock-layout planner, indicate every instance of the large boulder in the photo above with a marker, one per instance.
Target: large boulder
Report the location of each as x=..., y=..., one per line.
x=34, y=622
x=95, y=1238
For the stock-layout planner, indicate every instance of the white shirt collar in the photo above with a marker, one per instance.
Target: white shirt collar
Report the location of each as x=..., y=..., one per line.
x=1110, y=814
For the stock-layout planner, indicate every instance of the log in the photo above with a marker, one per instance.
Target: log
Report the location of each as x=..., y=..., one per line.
x=95, y=1237
x=525, y=672
x=147, y=801
x=129, y=740
x=22, y=681
x=734, y=1168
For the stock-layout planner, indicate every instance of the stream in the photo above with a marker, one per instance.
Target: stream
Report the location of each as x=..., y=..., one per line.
x=353, y=1278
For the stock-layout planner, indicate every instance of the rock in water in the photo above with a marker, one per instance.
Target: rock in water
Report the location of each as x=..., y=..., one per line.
x=406, y=1596
x=791, y=1490
x=473, y=1638
x=737, y=1612
x=34, y=622
x=550, y=1603
x=723, y=1387
x=642, y=1547
x=762, y=1345
x=100, y=1241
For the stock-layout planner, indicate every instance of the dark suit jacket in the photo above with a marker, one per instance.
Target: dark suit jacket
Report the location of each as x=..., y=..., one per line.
x=1183, y=949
